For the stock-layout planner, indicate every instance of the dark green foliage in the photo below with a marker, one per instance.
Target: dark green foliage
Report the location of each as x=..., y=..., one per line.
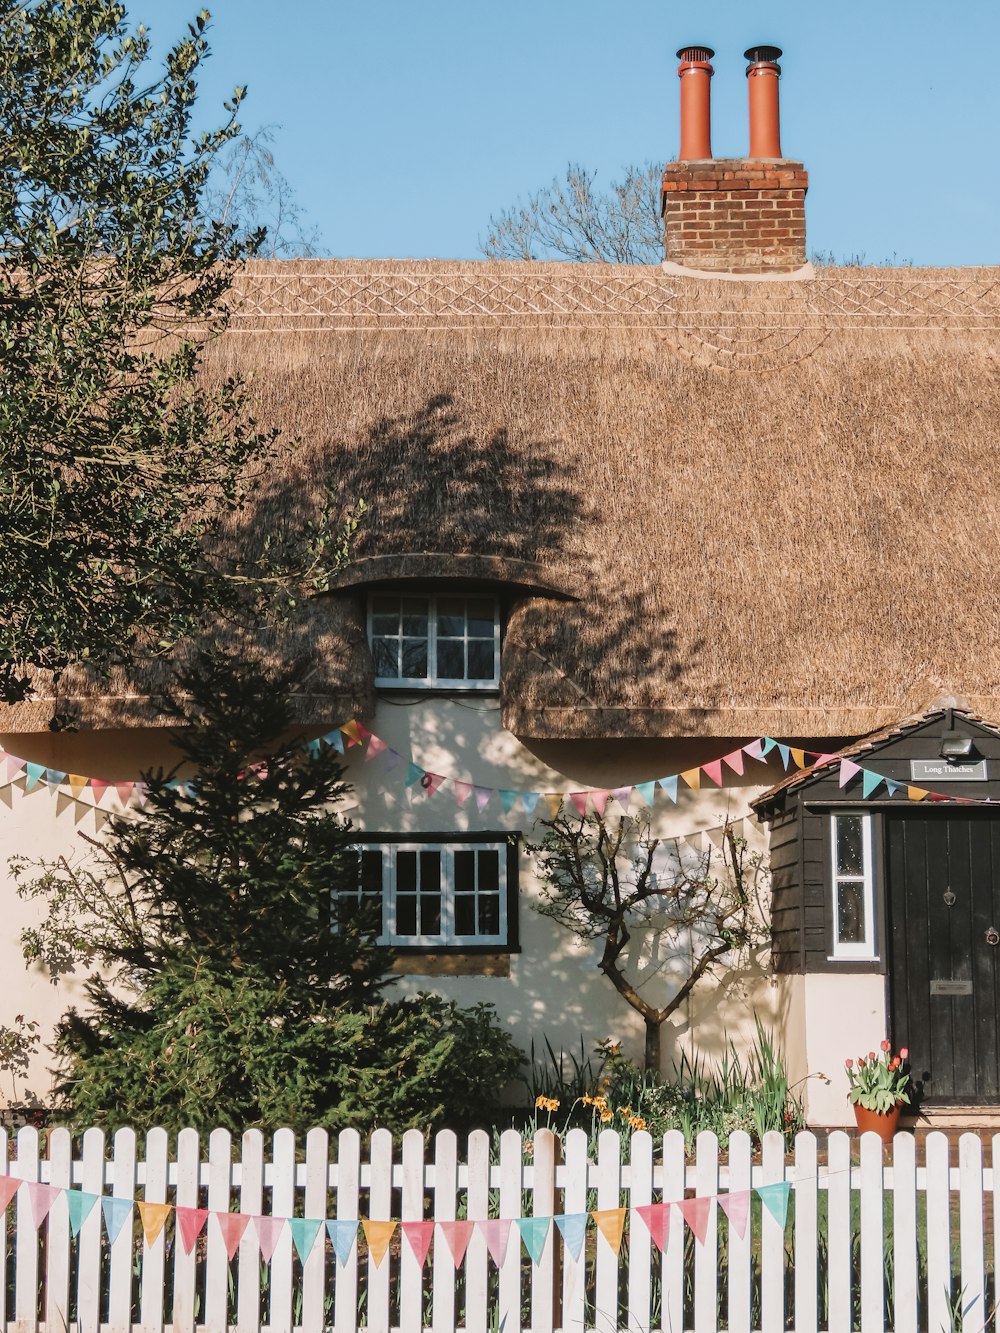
x=120, y=472
x=230, y=996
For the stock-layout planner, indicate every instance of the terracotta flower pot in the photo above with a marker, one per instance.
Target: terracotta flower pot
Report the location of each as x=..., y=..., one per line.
x=882, y=1123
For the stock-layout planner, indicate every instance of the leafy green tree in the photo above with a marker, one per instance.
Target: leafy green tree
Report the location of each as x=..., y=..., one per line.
x=120, y=472
x=241, y=975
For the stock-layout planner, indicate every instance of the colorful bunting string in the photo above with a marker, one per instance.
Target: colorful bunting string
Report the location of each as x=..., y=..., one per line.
x=533, y=1232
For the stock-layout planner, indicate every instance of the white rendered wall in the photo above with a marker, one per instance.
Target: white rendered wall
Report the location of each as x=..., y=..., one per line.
x=845, y=1016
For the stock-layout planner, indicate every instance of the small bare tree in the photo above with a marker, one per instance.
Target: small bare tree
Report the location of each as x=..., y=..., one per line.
x=607, y=882
x=572, y=219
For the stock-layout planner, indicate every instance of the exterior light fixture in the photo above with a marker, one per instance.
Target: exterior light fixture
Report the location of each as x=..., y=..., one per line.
x=956, y=747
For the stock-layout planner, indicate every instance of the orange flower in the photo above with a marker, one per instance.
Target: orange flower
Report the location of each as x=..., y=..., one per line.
x=606, y=1116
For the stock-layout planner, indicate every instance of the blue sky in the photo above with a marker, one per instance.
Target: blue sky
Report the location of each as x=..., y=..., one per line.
x=405, y=125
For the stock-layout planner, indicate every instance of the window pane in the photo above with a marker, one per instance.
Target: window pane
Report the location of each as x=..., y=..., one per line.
x=489, y=872
x=850, y=847
x=465, y=872
x=850, y=913
x=451, y=616
x=414, y=658
x=406, y=914
x=386, y=654
x=385, y=624
x=386, y=606
x=481, y=660
x=451, y=659
x=406, y=872
x=430, y=872
x=465, y=914
x=415, y=616
x=489, y=914
x=481, y=612
x=371, y=872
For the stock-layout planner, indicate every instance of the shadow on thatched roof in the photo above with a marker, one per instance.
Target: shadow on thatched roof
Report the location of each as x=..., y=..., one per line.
x=778, y=504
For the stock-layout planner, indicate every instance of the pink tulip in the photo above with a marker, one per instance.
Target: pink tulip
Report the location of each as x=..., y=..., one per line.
x=885, y=1046
x=904, y=1054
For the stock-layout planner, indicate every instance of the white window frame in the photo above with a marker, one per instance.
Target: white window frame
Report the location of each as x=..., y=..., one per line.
x=448, y=938
x=865, y=949
x=432, y=681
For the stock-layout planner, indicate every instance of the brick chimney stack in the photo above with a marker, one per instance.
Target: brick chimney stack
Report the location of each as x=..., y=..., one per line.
x=734, y=215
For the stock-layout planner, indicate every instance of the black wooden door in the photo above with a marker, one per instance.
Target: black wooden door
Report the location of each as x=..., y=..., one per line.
x=943, y=902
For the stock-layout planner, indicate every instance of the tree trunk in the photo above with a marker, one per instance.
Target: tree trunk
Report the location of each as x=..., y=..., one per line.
x=652, y=1054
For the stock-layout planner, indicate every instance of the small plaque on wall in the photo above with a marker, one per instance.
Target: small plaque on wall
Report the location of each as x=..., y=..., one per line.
x=939, y=770
x=951, y=987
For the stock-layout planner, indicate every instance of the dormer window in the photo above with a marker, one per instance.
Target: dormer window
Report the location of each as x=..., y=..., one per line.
x=435, y=640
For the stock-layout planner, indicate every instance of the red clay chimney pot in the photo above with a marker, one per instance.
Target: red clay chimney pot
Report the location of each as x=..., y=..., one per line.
x=763, y=73
x=695, y=73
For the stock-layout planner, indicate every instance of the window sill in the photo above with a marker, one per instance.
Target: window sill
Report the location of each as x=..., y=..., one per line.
x=452, y=965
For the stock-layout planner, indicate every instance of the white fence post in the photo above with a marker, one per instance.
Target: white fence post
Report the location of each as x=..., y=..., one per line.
x=772, y=1241
x=706, y=1253
x=314, y=1318
x=904, y=1232
x=574, y=1275
x=640, y=1244
x=740, y=1247
x=186, y=1195
x=838, y=1204
x=282, y=1205
x=872, y=1232
x=445, y=1272
x=154, y=1256
x=938, y=1234
x=806, y=1195
x=609, y=1174
x=345, y=1288
x=511, y=1194
x=674, y=1176
x=975, y=1316
x=543, y=1197
x=57, y=1242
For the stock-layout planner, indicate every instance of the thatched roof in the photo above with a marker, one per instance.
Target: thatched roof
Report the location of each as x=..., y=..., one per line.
x=722, y=507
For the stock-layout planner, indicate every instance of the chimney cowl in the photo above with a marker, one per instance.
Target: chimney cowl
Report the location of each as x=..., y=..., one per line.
x=762, y=55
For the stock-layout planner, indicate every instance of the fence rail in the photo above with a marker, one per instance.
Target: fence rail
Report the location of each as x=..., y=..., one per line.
x=506, y=1235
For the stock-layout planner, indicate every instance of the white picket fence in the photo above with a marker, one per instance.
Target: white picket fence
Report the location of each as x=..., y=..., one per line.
x=871, y=1244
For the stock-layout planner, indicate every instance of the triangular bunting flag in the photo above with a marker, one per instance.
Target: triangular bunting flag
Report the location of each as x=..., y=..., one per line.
x=8, y=1188
x=342, y=1233
x=393, y=759
x=847, y=771
x=153, y=1216
x=352, y=730
x=508, y=799
x=869, y=781
x=497, y=1233
x=623, y=795
x=573, y=1229
x=767, y=745
x=611, y=1225
x=419, y=1236
x=713, y=771
x=735, y=761
x=939, y=796
x=482, y=795
x=41, y=1197
x=15, y=766
x=141, y=792
x=716, y=835
x=190, y=1223
x=413, y=774
x=76, y=784
x=657, y=1217
x=80, y=1205
x=892, y=787
x=375, y=748
x=99, y=788
x=534, y=1231
x=335, y=740
x=798, y=757
x=55, y=776
x=529, y=800
x=695, y=1214
x=457, y=1235
x=116, y=1213
x=378, y=1236
x=431, y=782
x=645, y=791
x=737, y=1208
x=599, y=800
x=463, y=790
x=755, y=749
x=124, y=790
x=304, y=1232
x=669, y=785
x=579, y=799
x=313, y=747
x=692, y=777
x=35, y=774
x=785, y=753
x=554, y=800
x=268, y=1231
x=775, y=1200
x=232, y=1226
x=916, y=794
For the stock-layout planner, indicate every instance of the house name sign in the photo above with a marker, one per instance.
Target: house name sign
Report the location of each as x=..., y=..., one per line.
x=940, y=770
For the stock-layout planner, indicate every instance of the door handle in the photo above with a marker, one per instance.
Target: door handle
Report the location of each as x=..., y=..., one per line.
x=993, y=936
